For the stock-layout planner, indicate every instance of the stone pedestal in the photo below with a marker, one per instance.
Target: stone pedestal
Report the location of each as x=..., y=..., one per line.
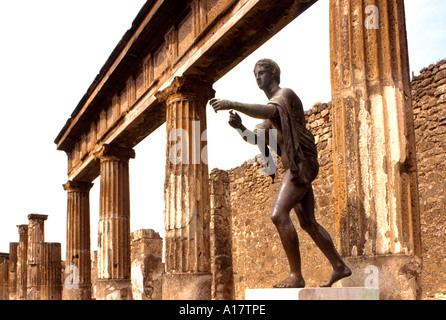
x=78, y=261
x=186, y=197
x=357, y=293
x=114, y=224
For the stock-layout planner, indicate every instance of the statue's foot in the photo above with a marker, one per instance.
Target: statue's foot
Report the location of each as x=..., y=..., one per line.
x=337, y=275
x=292, y=281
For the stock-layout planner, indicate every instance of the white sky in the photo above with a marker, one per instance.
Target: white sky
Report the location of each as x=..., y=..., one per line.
x=51, y=51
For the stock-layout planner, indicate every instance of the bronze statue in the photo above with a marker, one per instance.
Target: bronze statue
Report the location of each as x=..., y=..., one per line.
x=297, y=149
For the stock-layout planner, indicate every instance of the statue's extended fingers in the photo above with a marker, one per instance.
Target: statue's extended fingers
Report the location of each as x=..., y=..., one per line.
x=213, y=101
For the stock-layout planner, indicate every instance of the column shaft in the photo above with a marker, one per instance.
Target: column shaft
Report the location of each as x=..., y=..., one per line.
x=376, y=188
x=114, y=221
x=186, y=197
x=78, y=259
x=374, y=146
x=51, y=286
x=36, y=239
x=22, y=258
x=186, y=191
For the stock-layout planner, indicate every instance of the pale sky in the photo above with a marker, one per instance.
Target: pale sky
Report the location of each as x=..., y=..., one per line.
x=51, y=52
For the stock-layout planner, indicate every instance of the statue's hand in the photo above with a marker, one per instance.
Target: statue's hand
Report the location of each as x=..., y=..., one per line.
x=234, y=120
x=219, y=104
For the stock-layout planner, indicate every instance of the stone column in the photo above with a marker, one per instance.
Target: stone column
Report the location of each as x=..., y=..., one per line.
x=36, y=239
x=51, y=285
x=77, y=285
x=13, y=246
x=376, y=190
x=114, y=281
x=22, y=259
x=186, y=196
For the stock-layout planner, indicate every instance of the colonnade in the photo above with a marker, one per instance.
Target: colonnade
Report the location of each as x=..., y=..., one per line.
x=186, y=210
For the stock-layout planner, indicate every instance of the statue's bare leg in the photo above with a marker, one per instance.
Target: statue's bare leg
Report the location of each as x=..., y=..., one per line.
x=288, y=195
x=305, y=214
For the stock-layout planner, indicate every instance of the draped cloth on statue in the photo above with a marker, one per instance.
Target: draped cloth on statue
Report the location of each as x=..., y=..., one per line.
x=298, y=140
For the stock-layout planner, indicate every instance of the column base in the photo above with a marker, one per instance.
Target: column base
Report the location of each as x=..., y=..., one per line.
x=187, y=286
x=396, y=276
x=113, y=289
x=83, y=292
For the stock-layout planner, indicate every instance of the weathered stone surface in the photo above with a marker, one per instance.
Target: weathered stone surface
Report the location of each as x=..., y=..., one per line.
x=147, y=266
x=221, y=237
x=35, y=263
x=4, y=274
x=430, y=124
x=22, y=262
x=186, y=194
x=114, y=224
x=187, y=286
x=12, y=281
x=78, y=262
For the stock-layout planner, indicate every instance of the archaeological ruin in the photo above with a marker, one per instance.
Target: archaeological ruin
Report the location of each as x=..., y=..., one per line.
x=379, y=192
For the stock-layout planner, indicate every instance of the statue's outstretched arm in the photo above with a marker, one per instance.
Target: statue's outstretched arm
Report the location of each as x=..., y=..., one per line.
x=258, y=111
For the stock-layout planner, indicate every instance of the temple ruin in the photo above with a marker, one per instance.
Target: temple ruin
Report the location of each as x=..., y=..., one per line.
x=162, y=71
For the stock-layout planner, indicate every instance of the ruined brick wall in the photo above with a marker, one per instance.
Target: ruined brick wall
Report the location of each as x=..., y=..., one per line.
x=429, y=102
x=258, y=258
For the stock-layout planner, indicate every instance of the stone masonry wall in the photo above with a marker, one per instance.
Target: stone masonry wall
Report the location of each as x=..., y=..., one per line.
x=258, y=258
x=429, y=102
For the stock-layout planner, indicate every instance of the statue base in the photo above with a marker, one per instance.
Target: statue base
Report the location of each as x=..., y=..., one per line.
x=357, y=293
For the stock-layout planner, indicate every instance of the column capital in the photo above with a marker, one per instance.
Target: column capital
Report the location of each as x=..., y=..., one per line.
x=192, y=87
x=77, y=186
x=35, y=216
x=23, y=228
x=114, y=152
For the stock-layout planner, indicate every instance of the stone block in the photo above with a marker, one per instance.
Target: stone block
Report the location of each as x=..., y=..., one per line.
x=359, y=293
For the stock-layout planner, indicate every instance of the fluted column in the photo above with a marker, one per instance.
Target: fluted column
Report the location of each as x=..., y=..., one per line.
x=36, y=239
x=22, y=259
x=51, y=274
x=376, y=191
x=77, y=285
x=114, y=223
x=186, y=195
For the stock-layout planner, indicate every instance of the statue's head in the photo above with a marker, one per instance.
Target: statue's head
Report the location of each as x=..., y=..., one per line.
x=271, y=66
